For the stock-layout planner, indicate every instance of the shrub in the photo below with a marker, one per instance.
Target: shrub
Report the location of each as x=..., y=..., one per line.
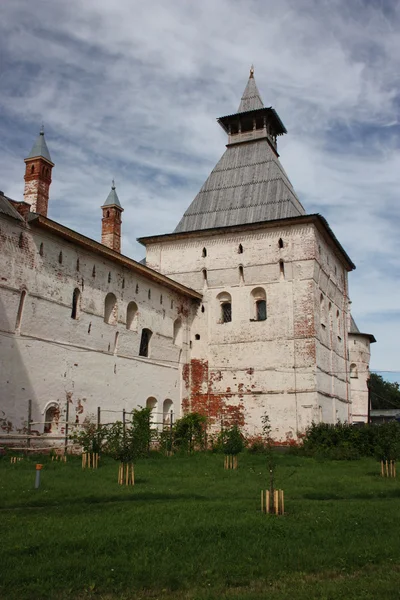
x=189, y=432
x=233, y=441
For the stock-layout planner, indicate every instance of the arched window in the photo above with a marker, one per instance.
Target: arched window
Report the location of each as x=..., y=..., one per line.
x=108, y=213
x=32, y=168
x=110, y=309
x=151, y=403
x=168, y=406
x=20, y=310
x=241, y=274
x=259, y=304
x=353, y=371
x=131, y=316
x=76, y=303
x=204, y=252
x=51, y=418
x=240, y=249
x=144, y=349
x=178, y=332
x=280, y=243
x=225, y=307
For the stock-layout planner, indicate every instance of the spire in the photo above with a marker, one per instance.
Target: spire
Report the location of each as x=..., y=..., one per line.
x=112, y=198
x=251, y=99
x=39, y=148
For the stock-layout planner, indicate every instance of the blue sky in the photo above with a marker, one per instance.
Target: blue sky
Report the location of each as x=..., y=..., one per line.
x=131, y=90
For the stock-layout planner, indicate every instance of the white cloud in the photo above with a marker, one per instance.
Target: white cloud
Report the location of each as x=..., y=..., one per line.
x=131, y=90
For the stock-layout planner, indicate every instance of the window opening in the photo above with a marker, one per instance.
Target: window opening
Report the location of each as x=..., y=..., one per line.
x=20, y=309
x=123, y=283
x=75, y=303
x=116, y=342
x=131, y=315
x=41, y=249
x=109, y=277
x=241, y=275
x=94, y=272
x=197, y=336
x=21, y=240
x=204, y=252
x=226, y=312
x=149, y=294
x=177, y=332
x=280, y=243
x=282, y=269
x=205, y=275
x=202, y=308
x=32, y=168
x=145, y=342
x=167, y=410
x=353, y=371
x=261, y=310
x=51, y=418
x=110, y=309
x=60, y=258
x=240, y=249
x=77, y=264
x=137, y=288
x=160, y=298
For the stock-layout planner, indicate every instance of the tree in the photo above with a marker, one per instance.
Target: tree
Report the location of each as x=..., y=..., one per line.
x=384, y=394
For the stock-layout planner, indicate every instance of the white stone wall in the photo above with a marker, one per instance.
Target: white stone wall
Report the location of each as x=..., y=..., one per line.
x=53, y=358
x=293, y=365
x=359, y=356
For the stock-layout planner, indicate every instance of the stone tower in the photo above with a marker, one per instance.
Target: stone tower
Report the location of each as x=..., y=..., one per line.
x=38, y=176
x=111, y=221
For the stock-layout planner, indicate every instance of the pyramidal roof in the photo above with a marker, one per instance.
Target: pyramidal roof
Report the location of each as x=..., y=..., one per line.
x=251, y=99
x=112, y=198
x=248, y=184
x=40, y=148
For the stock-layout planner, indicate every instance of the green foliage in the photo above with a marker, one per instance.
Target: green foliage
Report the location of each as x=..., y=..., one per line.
x=232, y=441
x=141, y=431
x=91, y=436
x=128, y=443
x=384, y=394
x=346, y=442
x=189, y=432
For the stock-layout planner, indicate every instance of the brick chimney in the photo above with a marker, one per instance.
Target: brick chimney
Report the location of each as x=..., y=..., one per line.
x=111, y=221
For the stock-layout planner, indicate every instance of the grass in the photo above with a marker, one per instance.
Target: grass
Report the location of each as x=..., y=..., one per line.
x=190, y=530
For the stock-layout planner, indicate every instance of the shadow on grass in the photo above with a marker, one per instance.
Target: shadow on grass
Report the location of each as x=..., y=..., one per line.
x=359, y=496
x=101, y=501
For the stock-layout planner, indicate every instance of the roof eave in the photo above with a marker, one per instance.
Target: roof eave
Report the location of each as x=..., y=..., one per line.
x=316, y=218
x=370, y=336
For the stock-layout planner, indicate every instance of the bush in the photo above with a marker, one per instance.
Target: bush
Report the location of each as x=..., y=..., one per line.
x=346, y=442
x=233, y=441
x=189, y=432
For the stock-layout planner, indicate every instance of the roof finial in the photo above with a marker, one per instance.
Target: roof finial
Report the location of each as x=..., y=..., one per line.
x=113, y=185
x=42, y=129
x=251, y=71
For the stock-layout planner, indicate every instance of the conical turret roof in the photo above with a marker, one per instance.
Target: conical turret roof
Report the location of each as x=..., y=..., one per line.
x=40, y=148
x=112, y=198
x=251, y=99
x=248, y=184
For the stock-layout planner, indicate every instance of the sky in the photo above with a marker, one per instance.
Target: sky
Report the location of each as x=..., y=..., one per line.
x=131, y=90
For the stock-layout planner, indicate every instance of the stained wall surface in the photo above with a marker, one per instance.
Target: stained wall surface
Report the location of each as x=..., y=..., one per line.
x=53, y=359
x=293, y=364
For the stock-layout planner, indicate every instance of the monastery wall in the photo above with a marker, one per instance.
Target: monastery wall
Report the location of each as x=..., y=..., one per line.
x=243, y=368
x=51, y=358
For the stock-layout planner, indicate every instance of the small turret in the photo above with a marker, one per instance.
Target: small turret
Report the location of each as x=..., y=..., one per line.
x=111, y=221
x=38, y=176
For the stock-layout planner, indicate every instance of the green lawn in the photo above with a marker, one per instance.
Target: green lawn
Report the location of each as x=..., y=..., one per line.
x=190, y=530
